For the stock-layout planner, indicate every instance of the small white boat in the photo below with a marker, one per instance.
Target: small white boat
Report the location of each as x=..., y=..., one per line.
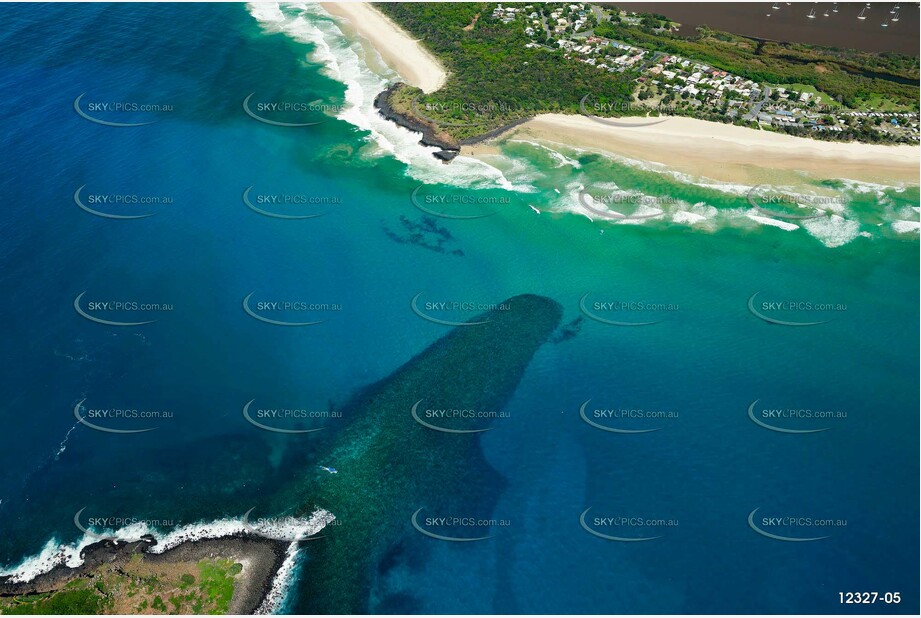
x=896, y=18
x=895, y=8
x=811, y=14
x=835, y=8
x=861, y=15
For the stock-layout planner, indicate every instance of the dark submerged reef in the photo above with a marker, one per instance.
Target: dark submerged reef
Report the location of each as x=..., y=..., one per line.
x=389, y=465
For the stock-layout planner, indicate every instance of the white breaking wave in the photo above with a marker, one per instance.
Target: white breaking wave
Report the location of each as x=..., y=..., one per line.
x=286, y=528
x=700, y=215
x=63, y=445
x=836, y=228
x=906, y=227
x=556, y=155
x=784, y=225
x=343, y=60
x=54, y=553
x=858, y=186
x=266, y=12
x=833, y=231
x=282, y=583
x=689, y=218
x=51, y=555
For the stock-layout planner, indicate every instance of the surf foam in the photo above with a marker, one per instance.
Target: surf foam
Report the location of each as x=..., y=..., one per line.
x=344, y=61
x=55, y=553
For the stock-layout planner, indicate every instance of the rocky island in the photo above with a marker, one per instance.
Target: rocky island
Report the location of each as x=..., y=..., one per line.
x=230, y=575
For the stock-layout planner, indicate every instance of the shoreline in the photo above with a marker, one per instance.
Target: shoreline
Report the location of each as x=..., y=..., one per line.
x=699, y=148
x=261, y=558
x=719, y=151
x=432, y=134
x=408, y=57
x=267, y=551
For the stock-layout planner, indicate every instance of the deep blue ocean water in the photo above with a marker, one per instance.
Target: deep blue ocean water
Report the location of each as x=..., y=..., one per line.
x=203, y=251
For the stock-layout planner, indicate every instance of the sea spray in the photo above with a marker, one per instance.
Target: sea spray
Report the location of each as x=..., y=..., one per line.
x=277, y=597
x=387, y=461
x=344, y=62
x=55, y=554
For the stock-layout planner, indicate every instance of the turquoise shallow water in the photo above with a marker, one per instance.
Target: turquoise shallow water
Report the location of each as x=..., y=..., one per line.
x=708, y=466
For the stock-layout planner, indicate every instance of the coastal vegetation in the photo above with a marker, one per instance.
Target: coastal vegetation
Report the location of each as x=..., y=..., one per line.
x=849, y=77
x=510, y=61
x=140, y=586
x=494, y=78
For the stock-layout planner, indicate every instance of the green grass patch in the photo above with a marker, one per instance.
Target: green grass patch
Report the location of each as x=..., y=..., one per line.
x=879, y=103
x=817, y=95
x=83, y=602
x=216, y=581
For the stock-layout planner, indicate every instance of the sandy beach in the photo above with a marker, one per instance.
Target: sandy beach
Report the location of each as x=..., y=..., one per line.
x=415, y=64
x=700, y=148
x=722, y=152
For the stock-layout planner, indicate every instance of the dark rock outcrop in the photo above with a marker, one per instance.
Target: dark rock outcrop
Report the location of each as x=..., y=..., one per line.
x=430, y=133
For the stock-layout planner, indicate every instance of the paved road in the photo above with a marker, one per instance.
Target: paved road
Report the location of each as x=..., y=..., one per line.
x=756, y=108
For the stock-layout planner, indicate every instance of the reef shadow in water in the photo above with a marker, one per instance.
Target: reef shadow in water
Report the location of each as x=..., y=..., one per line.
x=425, y=233
x=389, y=465
x=567, y=331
